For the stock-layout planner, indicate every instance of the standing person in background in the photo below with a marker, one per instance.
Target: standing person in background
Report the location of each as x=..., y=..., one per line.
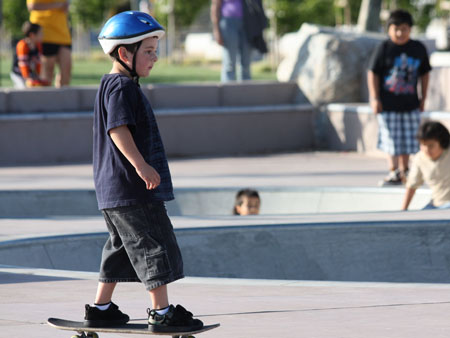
x=396, y=68
x=238, y=26
x=52, y=16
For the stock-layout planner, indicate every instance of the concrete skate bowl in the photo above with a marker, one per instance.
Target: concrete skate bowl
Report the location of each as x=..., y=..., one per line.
x=334, y=250
x=295, y=200
x=217, y=201
x=331, y=234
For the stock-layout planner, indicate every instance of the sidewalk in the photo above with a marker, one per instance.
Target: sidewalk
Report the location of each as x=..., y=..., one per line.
x=294, y=169
x=244, y=308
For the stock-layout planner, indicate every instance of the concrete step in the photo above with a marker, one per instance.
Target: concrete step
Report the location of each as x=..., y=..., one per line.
x=213, y=131
x=81, y=98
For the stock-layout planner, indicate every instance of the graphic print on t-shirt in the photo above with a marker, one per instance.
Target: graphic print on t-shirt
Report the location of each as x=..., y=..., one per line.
x=402, y=77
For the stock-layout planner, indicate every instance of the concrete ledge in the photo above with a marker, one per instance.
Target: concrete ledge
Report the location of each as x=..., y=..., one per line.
x=41, y=100
x=73, y=99
x=67, y=137
x=353, y=126
x=179, y=96
x=370, y=251
x=237, y=130
x=42, y=138
x=194, y=120
x=437, y=96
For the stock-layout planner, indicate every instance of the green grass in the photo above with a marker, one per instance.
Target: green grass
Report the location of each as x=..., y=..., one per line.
x=89, y=72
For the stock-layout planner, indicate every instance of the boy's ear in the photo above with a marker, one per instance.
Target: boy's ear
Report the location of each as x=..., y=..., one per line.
x=123, y=54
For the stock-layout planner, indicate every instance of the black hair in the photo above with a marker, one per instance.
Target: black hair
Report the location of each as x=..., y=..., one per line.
x=30, y=28
x=240, y=198
x=399, y=17
x=432, y=130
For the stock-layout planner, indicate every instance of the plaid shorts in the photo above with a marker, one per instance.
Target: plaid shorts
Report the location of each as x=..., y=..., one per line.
x=397, y=132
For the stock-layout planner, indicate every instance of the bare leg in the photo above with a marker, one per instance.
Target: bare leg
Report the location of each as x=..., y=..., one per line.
x=104, y=292
x=404, y=161
x=48, y=67
x=159, y=297
x=64, y=59
x=393, y=162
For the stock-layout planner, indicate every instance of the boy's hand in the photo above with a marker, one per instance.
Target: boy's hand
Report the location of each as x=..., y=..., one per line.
x=149, y=175
x=376, y=106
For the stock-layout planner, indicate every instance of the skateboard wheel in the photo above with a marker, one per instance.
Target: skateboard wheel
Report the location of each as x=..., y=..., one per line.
x=92, y=335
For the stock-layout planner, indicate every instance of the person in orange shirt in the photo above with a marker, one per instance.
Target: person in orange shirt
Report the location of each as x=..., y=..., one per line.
x=27, y=65
x=52, y=16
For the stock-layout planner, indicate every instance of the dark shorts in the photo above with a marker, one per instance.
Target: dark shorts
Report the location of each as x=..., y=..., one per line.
x=51, y=49
x=141, y=247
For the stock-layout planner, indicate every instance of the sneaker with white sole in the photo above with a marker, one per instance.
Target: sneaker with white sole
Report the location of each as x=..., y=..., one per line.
x=393, y=178
x=112, y=316
x=177, y=319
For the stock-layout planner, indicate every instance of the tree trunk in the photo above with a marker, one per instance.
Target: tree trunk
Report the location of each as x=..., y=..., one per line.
x=369, y=16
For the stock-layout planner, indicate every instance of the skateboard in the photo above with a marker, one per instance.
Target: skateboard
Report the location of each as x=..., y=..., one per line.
x=91, y=332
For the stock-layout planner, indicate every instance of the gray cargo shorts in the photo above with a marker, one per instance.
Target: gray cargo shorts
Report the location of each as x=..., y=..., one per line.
x=141, y=246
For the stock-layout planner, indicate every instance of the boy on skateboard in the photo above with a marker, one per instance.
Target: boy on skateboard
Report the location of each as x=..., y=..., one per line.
x=395, y=69
x=132, y=181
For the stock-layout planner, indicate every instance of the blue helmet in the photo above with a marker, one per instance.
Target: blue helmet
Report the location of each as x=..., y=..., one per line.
x=127, y=28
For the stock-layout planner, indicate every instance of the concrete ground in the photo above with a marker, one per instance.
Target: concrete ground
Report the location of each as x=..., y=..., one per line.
x=245, y=308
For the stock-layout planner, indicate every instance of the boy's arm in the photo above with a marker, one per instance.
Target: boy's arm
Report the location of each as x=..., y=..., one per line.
x=123, y=140
x=216, y=6
x=373, y=83
x=409, y=194
x=425, y=78
x=22, y=52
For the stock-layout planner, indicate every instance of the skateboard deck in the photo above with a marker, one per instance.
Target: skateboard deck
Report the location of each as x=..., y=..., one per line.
x=91, y=332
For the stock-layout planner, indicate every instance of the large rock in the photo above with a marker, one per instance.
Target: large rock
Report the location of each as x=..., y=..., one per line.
x=329, y=64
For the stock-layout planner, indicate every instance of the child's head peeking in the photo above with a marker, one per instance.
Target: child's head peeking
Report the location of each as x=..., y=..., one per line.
x=247, y=203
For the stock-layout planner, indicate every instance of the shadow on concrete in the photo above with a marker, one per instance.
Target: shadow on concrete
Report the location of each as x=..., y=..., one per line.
x=263, y=312
x=13, y=278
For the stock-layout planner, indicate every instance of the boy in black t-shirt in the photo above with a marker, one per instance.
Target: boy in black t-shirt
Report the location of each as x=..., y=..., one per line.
x=395, y=68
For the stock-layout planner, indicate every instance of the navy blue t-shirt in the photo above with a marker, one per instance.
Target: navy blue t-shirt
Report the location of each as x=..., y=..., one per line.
x=121, y=102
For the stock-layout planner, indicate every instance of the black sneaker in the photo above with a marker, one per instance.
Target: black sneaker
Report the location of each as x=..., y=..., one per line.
x=177, y=319
x=393, y=178
x=110, y=317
